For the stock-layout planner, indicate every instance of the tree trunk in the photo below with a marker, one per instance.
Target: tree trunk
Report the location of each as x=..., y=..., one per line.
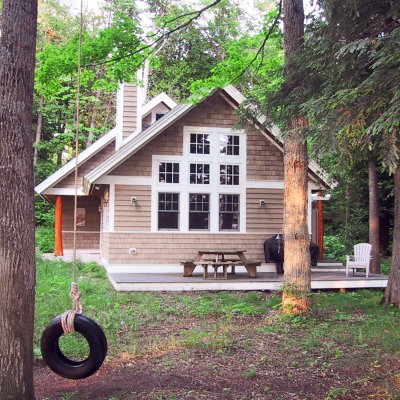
x=392, y=293
x=374, y=239
x=38, y=131
x=297, y=277
x=17, y=239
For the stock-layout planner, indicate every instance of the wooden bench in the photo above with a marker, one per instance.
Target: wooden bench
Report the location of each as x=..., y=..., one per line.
x=251, y=267
x=188, y=267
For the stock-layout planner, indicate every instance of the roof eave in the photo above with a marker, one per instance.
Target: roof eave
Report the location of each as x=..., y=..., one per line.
x=70, y=165
x=135, y=144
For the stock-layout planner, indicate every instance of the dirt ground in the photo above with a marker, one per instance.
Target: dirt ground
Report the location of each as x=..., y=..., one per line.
x=247, y=363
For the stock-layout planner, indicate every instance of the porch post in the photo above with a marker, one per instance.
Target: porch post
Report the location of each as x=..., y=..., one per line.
x=320, y=228
x=58, y=243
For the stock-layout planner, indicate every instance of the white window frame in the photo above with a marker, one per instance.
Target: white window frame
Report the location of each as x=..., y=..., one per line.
x=214, y=188
x=227, y=155
x=179, y=212
x=172, y=173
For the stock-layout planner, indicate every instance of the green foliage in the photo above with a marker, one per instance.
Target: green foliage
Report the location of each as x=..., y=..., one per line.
x=250, y=373
x=255, y=75
x=45, y=239
x=334, y=248
x=44, y=213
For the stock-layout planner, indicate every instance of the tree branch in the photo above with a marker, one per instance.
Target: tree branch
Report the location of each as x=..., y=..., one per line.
x=262, y=47
x=165, y=35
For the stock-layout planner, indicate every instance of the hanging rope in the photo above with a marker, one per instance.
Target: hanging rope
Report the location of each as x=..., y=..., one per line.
x=67, y=319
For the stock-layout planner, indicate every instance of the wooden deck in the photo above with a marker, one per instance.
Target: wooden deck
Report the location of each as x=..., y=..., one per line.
x=264, y=281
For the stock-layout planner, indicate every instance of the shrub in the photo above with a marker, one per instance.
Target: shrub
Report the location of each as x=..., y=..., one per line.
x=44, y=212
x=334, y=248
x=45, y=239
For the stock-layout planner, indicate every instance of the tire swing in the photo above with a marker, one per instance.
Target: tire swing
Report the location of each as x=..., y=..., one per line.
x=73, y=320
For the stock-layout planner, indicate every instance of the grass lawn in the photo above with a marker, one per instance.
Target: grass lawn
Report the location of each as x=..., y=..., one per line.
x=222, y=345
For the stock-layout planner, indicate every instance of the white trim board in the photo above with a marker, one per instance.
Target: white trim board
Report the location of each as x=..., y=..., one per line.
x=239, y=285
x=265, y=185
x=124, y=180
x=155, y=101
x=70, y=165
x=64, y=192
x=132, y=146
x=99, y=145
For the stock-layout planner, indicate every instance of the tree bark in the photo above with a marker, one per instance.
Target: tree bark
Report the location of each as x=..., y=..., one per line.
x=17, y=240
x=38, y=131
x=374, y=230
x=297, y=262
x=392, y=292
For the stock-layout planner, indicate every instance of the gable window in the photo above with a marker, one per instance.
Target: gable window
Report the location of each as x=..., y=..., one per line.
x=199, y=143
x=229, y=212
x=199, y=211
x=229, y=145
x=158, y=116
x=168, y=172
x=229, y=174
x=200, y=174
x=168, y=211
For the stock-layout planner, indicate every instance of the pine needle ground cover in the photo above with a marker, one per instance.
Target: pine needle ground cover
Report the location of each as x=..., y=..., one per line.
x=221, y=345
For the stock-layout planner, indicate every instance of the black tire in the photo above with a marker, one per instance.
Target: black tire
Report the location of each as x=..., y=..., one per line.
x=59, y=362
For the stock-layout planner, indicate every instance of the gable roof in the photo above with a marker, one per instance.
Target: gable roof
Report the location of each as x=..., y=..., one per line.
x=160, y=98
x=139, y=141
x=65, y=170
x=136, y=142
x=276, y=136
x=99, y=145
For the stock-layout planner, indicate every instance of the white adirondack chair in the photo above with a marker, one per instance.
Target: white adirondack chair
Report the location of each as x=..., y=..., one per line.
x=360, y=259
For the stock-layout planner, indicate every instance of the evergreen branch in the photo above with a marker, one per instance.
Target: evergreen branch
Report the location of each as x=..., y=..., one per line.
x=261, y=49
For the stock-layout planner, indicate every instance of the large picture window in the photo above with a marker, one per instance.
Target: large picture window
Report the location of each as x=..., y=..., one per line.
x=229, y=174
x=168, y=172
x=200, y=174
x=229, y=145
x=199, y=211
x=199, y=143
x=168, y=211
x=229, y=215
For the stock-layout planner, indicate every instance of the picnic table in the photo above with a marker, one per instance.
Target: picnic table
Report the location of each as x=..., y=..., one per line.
x=216, y=258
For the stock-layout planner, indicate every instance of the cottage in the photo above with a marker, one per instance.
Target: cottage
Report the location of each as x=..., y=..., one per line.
x=170, y=179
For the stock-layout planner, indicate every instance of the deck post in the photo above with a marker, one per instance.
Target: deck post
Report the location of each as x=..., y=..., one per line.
x=320, y=229
x=58, y=243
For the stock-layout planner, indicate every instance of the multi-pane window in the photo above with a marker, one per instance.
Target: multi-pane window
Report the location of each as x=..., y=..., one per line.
x=229, y=145
x=229, y=212
x=199, y=143
x=200, y=174
x=168, y=210
x=199, y=211
x=168, y=172
x=229, y=174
